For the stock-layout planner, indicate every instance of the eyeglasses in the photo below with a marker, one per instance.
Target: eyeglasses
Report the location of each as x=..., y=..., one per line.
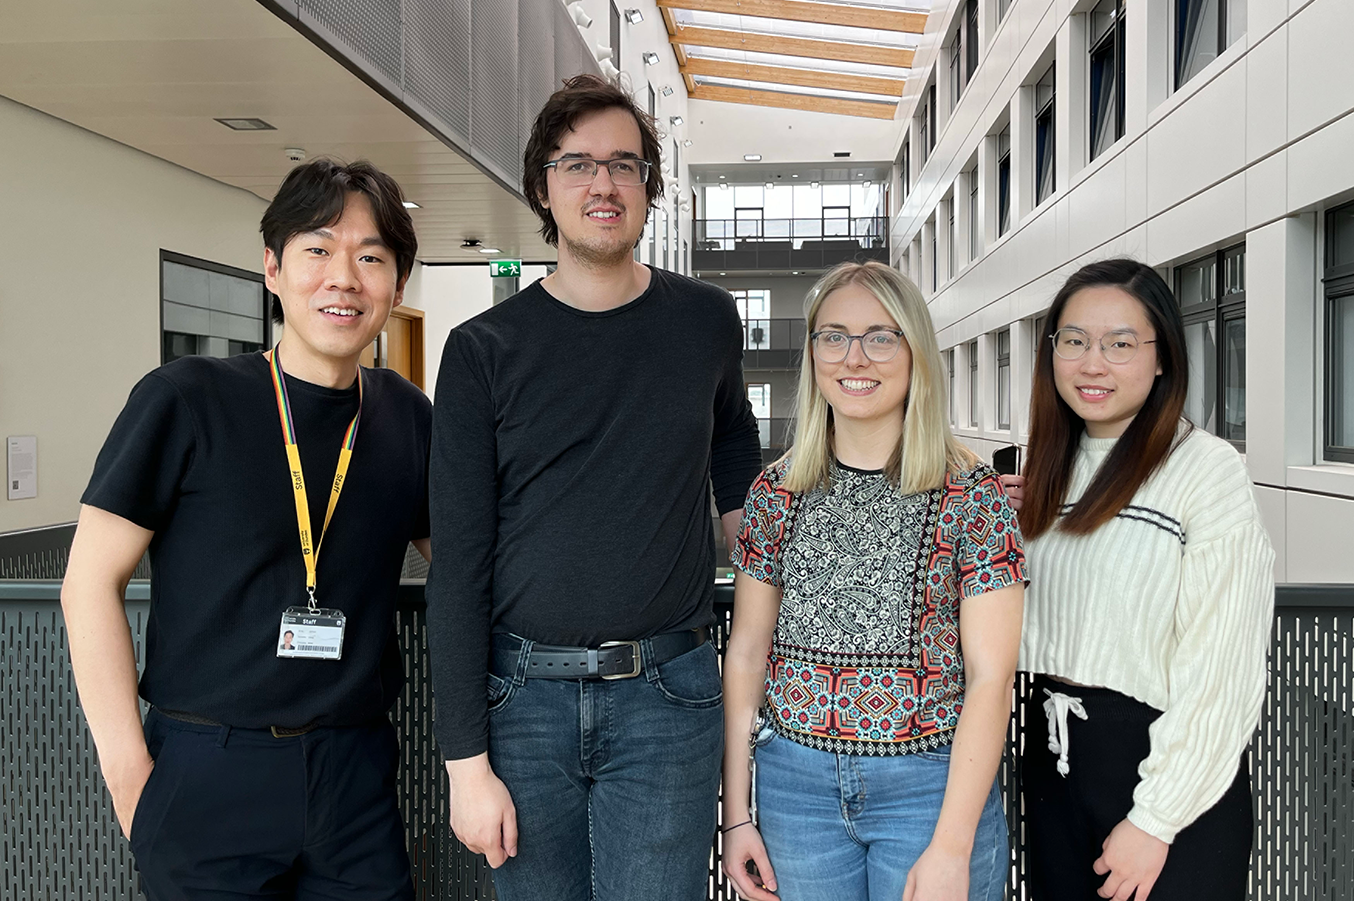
x=880, y=345
x=575, y=172
x=1117, y=346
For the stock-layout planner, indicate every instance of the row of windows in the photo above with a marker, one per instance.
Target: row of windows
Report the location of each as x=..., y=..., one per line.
x=1201, y=30
x=1211, y=291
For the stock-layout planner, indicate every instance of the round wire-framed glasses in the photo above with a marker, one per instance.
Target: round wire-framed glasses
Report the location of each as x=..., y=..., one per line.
x=1117, y=346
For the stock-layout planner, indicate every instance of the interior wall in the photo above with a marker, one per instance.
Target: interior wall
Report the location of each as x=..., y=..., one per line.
x=84, y=220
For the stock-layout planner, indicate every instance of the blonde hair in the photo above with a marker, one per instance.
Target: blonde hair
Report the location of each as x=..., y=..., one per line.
x=927, y=449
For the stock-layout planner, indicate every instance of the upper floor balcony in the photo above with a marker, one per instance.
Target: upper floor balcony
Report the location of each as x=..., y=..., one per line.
x=787, y=245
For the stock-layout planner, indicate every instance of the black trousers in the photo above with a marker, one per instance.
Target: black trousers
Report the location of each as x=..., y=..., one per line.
x=1067, y=819
x=238, y=813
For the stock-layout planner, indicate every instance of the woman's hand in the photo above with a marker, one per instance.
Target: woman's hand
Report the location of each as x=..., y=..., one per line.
x=743, y=844
x=1015, y=490
x=1133, y=859
x=938, y=875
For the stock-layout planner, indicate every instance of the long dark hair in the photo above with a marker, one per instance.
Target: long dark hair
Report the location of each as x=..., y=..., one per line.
x=1055, y=431
x=581, y=95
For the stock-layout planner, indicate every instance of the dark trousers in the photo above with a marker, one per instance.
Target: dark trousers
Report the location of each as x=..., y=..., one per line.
x=238, y=813
x=1067, y=819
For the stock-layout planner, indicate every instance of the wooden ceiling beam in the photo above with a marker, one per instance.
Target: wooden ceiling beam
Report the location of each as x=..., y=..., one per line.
x=807, y=102
x=899, y=57
x=805, y=78
x=801, y=11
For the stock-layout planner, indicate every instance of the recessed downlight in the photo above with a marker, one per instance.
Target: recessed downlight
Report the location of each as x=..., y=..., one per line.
x=752, y=157
x=489, y=250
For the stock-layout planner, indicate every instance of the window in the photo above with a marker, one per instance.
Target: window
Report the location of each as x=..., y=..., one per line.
x=926, y=127
x=1003, y=6
x=759, y=397
x=1043, y=137
x=210, y=310
x=1004, y=181
x=1212, y=296
x=953, y=235
x=904, y=172
x=1203, y=29
x=935, y=260
x=973, y=384
x=1004, y=379
x=975, y=239
x=754, y=308
x=1107, y=75
x=1339, y=282
x=615, y=35
x=931, y=117
x=653, y=102
x=964, y=52
x=949, y=361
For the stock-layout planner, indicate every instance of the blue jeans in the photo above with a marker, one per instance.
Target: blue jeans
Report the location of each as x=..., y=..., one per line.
x=615, y=782
x=844, y=827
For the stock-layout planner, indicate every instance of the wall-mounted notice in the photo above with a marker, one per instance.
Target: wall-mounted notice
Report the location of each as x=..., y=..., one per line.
x=22, y=480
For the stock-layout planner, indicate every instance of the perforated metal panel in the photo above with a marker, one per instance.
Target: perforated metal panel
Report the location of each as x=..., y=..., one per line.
x=369, y=29
x=494, y=129
x=536, y=59
x=59, y=838
x=571, y=53
x=437, y=56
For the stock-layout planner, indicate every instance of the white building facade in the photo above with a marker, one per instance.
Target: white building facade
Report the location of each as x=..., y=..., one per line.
x=1211, y=139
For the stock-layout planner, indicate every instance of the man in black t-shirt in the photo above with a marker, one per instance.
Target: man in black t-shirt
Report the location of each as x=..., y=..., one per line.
x=579, y=428
x=277, y=494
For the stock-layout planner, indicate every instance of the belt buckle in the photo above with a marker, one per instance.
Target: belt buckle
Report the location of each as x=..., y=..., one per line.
x=634, y=658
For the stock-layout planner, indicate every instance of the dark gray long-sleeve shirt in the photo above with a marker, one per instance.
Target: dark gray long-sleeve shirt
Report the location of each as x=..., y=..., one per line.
x=572, y=461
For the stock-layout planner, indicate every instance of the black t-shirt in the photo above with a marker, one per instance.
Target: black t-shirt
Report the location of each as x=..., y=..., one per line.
x=573, y=458
x=197, y=457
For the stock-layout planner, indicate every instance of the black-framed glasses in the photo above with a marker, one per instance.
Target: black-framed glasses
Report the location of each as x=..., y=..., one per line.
x=576, y=171
x=1117, y=346
x=880, y=345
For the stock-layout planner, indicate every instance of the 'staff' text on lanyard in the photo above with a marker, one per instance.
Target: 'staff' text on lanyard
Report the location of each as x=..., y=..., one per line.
x=311, y=631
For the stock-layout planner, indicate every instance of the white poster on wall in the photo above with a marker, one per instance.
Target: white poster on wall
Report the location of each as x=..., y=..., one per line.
x=22, y=479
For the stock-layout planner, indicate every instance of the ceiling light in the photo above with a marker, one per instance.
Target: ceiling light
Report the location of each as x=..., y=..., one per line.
x=686, y=143
x=676, y=121
x=246, y=124
x=724, y=273
x=634, y=16
x=489, y=250
x=813, y=184
x=666, y=90
x=752, y=157
x=794, y=273
x=724, y=185
x=769, y=186
x=795, y=175
x=410, y=205
x=581, y=19
x=470, y=243
x=868, y=182
x=860, y=175
x=721, y=178
x=650, y=58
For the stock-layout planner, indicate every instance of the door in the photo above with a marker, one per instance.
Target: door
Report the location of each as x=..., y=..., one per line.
x=399, y=347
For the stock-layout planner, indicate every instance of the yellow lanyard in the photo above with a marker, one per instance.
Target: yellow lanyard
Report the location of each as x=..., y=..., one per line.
x=310, y=553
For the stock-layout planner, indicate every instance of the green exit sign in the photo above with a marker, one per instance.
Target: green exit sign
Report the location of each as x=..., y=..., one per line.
x=505, y=268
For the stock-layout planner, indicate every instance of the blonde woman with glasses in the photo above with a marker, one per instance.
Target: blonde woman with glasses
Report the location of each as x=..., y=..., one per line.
x=876, y=627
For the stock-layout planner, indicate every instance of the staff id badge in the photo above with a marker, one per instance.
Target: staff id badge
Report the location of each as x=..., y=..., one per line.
x=311, y=634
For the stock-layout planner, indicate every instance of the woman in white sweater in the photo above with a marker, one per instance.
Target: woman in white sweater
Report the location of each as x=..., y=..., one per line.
x=1149, y=611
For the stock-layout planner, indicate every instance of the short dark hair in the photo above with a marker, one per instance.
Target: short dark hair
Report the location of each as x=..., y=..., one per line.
x=313, y=195
x=581, y=95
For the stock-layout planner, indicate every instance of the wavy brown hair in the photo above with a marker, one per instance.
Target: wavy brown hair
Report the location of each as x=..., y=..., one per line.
x=581, y=95
x=1055, y=431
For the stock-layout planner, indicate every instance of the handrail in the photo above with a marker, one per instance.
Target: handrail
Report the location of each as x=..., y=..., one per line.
x=1287, y=595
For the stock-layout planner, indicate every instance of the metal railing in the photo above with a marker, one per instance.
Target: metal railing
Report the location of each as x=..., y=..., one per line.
x=59, y=838
x=792, y=244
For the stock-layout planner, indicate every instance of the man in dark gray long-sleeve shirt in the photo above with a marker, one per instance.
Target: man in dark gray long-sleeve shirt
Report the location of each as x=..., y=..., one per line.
x=578, y=430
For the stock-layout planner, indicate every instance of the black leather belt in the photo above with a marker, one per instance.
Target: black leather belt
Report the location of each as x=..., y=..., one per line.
x=278, y=731
x=611, y=659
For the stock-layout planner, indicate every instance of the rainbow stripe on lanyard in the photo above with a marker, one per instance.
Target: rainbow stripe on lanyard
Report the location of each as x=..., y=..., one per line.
x=310, y=552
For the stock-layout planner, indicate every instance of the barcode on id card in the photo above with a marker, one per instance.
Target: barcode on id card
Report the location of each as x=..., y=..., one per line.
x=327, y=648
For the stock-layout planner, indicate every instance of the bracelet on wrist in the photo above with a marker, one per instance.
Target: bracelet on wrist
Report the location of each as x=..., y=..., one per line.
x=735, y=826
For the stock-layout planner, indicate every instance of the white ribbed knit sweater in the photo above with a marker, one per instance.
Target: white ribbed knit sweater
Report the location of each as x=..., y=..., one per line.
x=1171, y=602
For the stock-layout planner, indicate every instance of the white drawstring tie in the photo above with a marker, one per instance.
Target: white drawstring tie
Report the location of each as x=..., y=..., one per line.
x=1056, y=708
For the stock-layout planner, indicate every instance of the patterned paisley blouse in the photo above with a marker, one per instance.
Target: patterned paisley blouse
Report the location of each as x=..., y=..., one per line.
x=865, y=657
